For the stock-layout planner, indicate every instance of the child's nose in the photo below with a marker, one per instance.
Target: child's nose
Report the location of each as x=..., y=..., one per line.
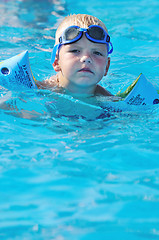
x=86, y=58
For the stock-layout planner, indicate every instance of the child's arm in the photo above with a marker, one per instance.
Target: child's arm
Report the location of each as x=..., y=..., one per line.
x=10, y=110
x=7, y=105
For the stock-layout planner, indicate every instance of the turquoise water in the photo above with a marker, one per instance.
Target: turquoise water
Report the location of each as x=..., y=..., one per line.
x=76, y=170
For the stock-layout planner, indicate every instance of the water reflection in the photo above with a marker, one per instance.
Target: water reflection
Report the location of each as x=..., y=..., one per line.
x=29, y=13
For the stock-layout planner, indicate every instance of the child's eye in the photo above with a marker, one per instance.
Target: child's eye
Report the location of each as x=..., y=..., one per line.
x=74, y=51
x=98, y=53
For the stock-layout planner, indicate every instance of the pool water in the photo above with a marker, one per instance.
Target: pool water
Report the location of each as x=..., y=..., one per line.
x=71, y=169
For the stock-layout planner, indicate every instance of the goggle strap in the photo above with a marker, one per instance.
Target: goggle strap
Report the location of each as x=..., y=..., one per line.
x=53, y=55
x=107, y=39
x=111, y=50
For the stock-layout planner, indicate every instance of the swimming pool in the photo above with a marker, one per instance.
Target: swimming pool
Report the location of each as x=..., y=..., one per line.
x=65, y=176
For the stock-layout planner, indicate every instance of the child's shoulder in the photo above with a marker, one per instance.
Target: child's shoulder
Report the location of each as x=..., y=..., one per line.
x=102, y=91
x=48, y=83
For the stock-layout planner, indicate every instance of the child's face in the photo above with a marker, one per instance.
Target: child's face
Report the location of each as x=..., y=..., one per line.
x=82, y=64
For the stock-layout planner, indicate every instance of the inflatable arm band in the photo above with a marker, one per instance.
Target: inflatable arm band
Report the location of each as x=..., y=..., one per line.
x=140, y=92
x=16, y=74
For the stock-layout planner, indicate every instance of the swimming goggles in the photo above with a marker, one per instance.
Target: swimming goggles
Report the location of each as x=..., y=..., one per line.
x=72, y=34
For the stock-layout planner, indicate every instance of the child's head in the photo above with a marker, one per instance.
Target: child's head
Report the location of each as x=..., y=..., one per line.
x=81, y=50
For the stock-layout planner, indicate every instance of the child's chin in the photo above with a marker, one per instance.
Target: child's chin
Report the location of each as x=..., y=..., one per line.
x=84, y=84
x=86, y=80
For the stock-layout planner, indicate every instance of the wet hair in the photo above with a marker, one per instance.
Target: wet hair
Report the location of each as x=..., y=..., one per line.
x=81, y=20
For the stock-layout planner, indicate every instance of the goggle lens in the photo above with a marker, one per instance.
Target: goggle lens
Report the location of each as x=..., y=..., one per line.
x=71, y=33
x=96, y=33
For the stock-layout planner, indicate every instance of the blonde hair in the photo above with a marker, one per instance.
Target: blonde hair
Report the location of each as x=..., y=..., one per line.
x=81, y=20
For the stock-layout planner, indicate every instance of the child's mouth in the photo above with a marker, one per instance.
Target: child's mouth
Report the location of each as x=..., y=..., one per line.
x=85, y=70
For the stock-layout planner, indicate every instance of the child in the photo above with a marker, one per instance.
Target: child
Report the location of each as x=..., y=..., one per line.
x=80, y=56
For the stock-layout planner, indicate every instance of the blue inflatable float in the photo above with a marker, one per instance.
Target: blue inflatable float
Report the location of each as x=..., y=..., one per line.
x=140, y=92
x=16, y=74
